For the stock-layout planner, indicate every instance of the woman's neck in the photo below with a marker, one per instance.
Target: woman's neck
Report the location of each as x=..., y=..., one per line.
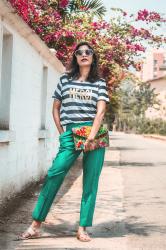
x=83, y=74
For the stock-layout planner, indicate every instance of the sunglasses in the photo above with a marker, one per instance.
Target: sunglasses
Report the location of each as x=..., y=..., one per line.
x=79, y=52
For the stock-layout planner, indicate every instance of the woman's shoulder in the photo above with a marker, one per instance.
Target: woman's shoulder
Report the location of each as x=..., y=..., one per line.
x=65, y=73
x=64, y=76
x=101, y=79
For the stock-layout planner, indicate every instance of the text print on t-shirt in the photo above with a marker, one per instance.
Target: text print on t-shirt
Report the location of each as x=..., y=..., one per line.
x=80, y=94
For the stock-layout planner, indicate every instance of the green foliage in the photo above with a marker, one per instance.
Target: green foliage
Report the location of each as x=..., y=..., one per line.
x=143, y=125
x=128, y=105
x=95, y=6
x=135, y=98
x=145, y=97
x=111, y=111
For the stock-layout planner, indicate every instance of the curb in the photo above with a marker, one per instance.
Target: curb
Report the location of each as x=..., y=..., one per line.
x=158, y=137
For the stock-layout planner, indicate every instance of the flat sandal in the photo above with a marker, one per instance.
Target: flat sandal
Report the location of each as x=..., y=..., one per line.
x=81, y=236
x=30, y=233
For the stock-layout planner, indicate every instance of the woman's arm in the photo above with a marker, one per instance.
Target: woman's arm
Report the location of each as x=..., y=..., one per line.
x=56, y=115
x=101, y=108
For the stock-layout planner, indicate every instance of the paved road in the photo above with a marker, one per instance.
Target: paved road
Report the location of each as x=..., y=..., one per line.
x=143, y=169
x=130, y=210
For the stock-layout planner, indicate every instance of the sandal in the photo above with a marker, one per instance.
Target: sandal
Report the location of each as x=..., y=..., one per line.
x=30, y=233
x=83, y=236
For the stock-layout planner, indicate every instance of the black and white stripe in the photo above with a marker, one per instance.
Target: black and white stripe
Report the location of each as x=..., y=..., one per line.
x=79, y=99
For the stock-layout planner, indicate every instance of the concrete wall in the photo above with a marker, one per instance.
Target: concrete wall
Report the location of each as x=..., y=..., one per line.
x=28, y=76
x=154, y=59
x=160, y=89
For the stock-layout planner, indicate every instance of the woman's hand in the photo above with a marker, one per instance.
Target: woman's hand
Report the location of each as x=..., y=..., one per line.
x=56, y=115
x=88, y=146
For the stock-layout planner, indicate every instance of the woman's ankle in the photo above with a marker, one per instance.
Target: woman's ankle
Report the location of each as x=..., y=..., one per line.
x=36, y=224
x=81, y=228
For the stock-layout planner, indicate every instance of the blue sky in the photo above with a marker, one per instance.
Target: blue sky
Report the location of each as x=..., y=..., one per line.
x=133, y=6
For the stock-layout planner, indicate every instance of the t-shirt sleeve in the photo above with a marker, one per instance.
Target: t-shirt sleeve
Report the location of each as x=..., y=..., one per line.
x=103, y=92
x=58, y=92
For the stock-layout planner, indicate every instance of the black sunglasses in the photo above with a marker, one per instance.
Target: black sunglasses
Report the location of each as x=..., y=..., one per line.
x=79, y=52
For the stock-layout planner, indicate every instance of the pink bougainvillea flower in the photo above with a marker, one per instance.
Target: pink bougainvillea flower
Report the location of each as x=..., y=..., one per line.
x=124, y=13
x=84, y=8
x=117, y=42
x=63, y=3
x=142, y=15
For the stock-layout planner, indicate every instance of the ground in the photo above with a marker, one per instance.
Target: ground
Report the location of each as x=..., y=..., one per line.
x=130, y=207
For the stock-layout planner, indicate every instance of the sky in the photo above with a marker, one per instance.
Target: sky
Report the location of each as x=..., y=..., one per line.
x=133, y=6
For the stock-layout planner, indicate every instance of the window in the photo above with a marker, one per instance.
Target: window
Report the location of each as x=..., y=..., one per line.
x=5, y=78
x=154, y=62
x=154, y=74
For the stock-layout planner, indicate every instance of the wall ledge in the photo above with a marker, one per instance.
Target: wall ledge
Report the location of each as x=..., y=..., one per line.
x=7, y=135
x=43, y=134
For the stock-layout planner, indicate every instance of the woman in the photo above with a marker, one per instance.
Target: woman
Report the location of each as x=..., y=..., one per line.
x=79, y=99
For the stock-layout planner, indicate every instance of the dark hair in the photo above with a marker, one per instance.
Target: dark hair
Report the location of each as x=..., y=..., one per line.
x=73, y=67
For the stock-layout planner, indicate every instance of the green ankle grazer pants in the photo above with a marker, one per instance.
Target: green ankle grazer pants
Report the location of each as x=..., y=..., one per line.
x=66, y=156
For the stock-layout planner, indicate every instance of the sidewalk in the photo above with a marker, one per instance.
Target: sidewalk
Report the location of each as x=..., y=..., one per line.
x=153, y=136
x=59, y=231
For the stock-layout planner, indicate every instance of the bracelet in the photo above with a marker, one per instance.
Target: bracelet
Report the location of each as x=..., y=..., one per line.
x=88, y=140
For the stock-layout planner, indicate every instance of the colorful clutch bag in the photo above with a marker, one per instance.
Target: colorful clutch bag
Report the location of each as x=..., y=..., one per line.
x=80, y=135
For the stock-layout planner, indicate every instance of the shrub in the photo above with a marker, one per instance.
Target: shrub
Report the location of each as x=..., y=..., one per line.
x=144, y=126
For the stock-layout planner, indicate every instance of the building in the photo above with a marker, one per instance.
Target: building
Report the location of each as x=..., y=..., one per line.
x=153, y=65
x=28, y=76
x=159, y=111
x=154, y=72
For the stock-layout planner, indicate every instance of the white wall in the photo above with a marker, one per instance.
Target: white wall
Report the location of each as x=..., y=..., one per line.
x=26, y=150
x=160, y=88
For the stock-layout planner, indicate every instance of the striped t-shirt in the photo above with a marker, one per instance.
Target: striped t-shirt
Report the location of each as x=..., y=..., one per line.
x=79, y=99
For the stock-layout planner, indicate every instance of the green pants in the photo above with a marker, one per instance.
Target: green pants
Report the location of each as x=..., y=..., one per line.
x=66, y=156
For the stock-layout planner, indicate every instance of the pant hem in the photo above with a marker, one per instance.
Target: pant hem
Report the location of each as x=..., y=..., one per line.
x=40, y=220
x=84, y=225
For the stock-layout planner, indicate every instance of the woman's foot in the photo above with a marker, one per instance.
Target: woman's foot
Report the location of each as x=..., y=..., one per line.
x=82, y=235
x=32, y=232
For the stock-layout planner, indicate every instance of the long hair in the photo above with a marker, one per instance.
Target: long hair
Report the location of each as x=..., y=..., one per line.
x=73, y=67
